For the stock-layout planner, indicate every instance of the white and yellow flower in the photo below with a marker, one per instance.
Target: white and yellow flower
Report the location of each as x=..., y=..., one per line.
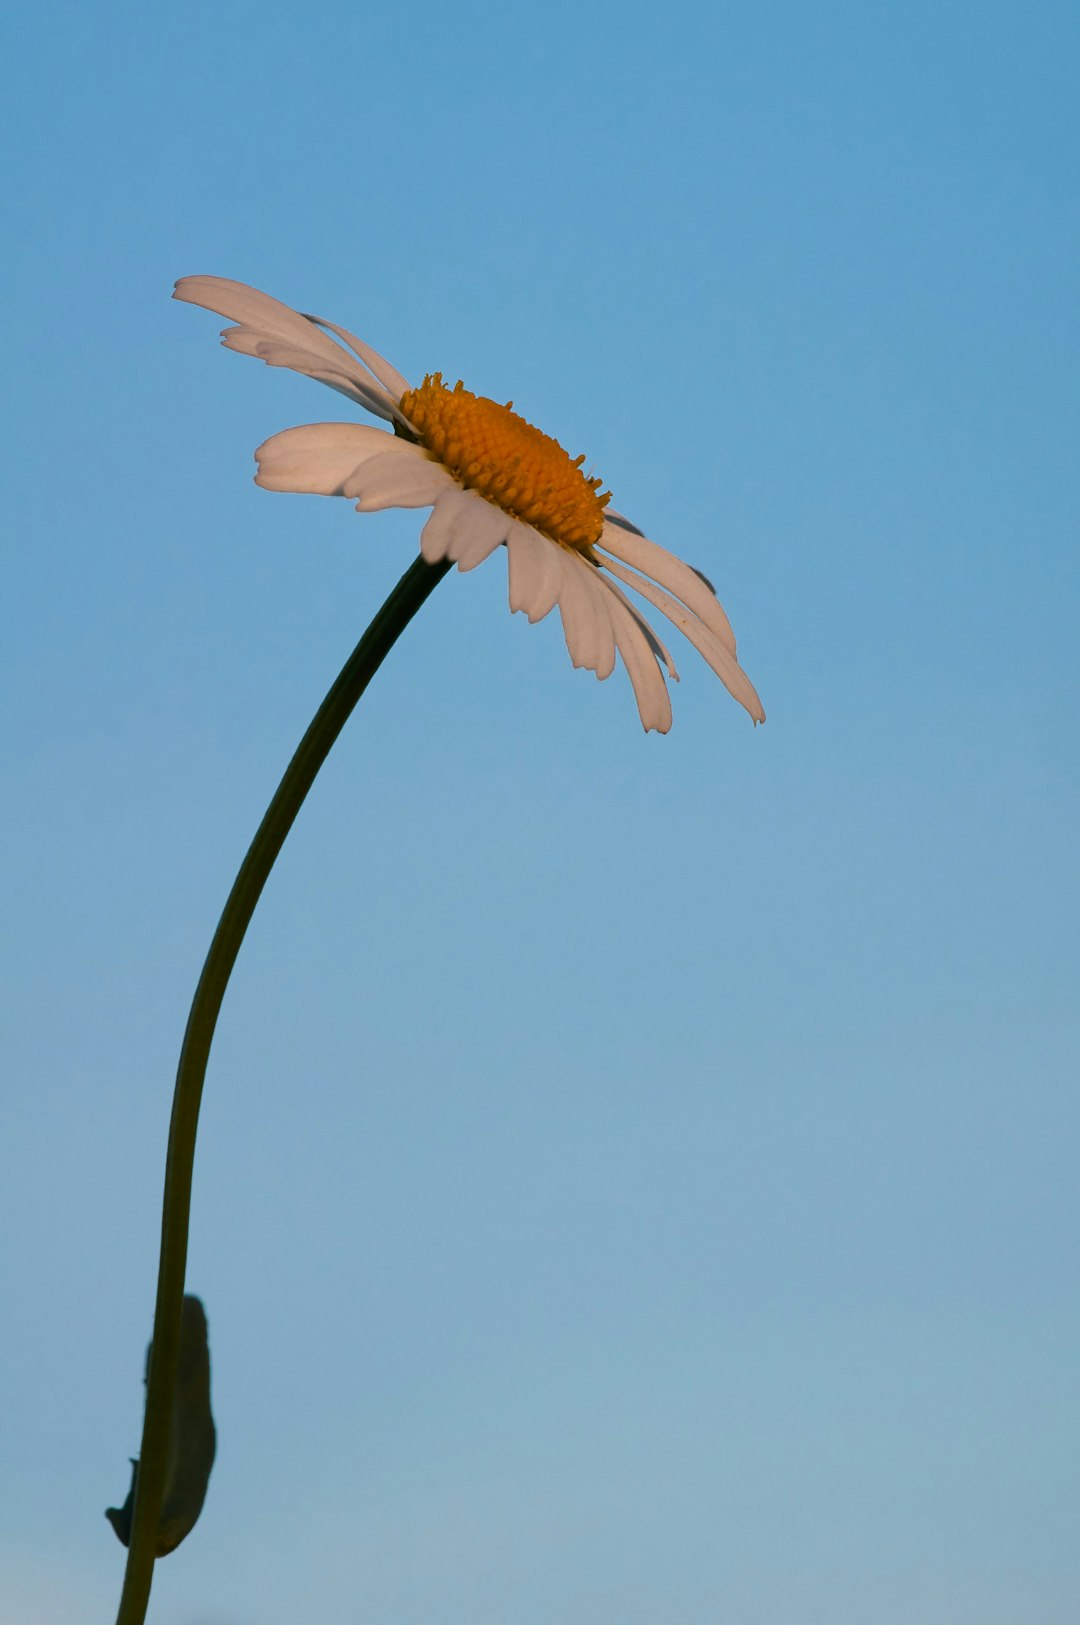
x=490, y=478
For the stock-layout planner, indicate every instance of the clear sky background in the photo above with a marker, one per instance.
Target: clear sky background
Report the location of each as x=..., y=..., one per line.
x=637, y=1180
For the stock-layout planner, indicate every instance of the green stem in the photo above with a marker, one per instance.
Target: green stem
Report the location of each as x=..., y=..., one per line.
x=411, y=591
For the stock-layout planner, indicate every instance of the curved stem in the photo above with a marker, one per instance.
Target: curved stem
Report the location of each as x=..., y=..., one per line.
x=411, y=591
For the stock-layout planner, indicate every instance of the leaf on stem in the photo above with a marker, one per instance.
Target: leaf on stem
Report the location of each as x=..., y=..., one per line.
x=192, y=1440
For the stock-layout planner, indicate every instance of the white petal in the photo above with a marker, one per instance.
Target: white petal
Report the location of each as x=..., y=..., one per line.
x=533, y=571
x=388, y=376
x=481, y=539
x=281, y=337
x=345, y=376
x=621, y=520
x=393, y=481
x=436, y=534
x=319, y=457
x=241, y=303
x=463, y=528
x=647, y=680
x=702, y=637
x=664, y=567
x=583, y=606
x=656, y=643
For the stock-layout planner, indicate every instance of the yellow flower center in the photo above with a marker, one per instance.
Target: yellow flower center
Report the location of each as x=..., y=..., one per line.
x=504, y=459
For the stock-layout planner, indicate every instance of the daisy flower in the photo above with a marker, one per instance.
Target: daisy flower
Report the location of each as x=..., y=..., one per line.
x=490, y=479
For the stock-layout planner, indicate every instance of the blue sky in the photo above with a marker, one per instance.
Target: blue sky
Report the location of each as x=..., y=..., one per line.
x=637, y=1175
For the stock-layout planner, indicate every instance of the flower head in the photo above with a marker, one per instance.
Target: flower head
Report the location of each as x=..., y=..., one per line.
x=491, y=479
